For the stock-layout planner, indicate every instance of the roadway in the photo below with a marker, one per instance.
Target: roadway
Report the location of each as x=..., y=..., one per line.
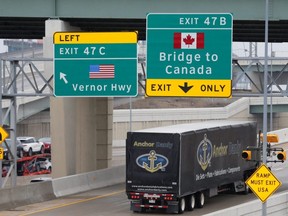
x=112, y=200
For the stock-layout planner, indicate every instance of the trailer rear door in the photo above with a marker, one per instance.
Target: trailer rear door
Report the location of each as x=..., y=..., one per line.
x=152, y=161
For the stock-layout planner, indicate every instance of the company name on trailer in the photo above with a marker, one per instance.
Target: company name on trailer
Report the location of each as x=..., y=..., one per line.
x=145, y=144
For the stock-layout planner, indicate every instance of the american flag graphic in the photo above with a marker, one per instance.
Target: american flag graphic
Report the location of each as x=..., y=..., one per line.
x=102, y=71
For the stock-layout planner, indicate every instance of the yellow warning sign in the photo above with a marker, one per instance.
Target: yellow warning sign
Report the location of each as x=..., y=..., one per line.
x=188, y=88
x=3, y=134
x=1, y=153
x=263, y=183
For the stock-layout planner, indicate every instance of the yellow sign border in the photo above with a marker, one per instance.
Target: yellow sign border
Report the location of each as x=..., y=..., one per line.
x=94, y=37
x=267, y=169
x=4, y=134
x=1, y=153
x=172, y=88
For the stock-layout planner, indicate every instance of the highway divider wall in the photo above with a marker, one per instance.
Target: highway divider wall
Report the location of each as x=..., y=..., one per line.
x=83, y=182
x=38, y=192
x=277, y=205
x=26, y=194
x=282, y=135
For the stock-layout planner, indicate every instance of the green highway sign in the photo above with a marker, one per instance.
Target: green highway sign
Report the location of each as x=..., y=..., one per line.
x=189, y=55
x=88, y=64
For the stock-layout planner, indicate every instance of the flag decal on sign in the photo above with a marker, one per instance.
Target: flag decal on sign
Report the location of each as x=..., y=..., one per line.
x=188, y=40
x=104, y=71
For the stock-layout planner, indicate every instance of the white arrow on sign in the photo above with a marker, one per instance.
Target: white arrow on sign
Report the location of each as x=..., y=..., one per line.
x=63, y=77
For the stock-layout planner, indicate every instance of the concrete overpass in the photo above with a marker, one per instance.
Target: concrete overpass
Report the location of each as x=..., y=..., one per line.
x=28, y=19
x=84, y=125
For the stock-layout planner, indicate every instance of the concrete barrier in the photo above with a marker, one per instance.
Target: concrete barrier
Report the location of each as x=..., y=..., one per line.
x=43, y=191
x=26, y=194
x=277, y=205
x=83, y=182
x=282, y=135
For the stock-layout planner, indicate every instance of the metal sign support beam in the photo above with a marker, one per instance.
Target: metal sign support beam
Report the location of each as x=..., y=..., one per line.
x=264, y=205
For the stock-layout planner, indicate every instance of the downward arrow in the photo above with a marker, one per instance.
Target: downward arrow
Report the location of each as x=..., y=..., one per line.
x=185, y=88
x=63, y=77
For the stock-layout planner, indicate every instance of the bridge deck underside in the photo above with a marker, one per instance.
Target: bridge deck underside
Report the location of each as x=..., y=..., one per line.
x=28, y=20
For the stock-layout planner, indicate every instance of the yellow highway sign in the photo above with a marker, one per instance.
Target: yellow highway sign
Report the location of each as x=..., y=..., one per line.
x=1, y=153
x=188, y=88
x=3, y=134
x=263, y=183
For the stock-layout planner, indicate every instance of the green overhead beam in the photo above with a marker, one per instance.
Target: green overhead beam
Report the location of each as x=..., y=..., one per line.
x=277, y=108
x=241, y=10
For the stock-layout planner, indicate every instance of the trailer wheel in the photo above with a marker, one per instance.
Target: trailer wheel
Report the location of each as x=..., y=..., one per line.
x=190, y=202
x=200, y=200
x=181, y=205
x=247, y=190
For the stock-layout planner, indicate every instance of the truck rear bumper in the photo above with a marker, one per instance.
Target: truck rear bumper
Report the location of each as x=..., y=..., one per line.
x=172, y=207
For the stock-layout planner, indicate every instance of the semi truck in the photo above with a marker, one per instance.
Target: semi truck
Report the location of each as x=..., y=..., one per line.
x=175, y=168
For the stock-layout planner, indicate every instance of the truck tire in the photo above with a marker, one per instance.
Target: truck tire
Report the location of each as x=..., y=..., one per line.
x=199, y=200
x=190, y=202
x=181, y=205
x=246, y=190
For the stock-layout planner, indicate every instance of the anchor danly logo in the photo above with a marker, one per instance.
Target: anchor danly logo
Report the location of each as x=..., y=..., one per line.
x=204, y=153
x=152, y=162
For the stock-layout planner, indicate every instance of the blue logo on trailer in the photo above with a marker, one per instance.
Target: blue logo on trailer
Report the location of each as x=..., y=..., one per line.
x=204, y=153
x=152, y=162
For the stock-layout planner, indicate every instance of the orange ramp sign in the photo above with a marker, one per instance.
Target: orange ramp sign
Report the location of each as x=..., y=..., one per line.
x=263, y=183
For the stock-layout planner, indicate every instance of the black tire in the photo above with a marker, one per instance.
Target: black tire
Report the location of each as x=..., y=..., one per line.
x=30, y=152
x=246, y=189
x=190, y=202
x=21, y=153
x=42, y=150
x=181, y=205
x=199, y=200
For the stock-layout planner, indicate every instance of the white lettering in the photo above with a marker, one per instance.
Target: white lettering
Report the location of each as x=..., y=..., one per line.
x=188, y=21
x=181, y=57
x=188, y=70
x=222, y=20
x=89, y=88
x=117, y=87
x=68, y=51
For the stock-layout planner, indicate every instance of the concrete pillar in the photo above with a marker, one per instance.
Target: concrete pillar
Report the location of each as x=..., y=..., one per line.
x=81, y=128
